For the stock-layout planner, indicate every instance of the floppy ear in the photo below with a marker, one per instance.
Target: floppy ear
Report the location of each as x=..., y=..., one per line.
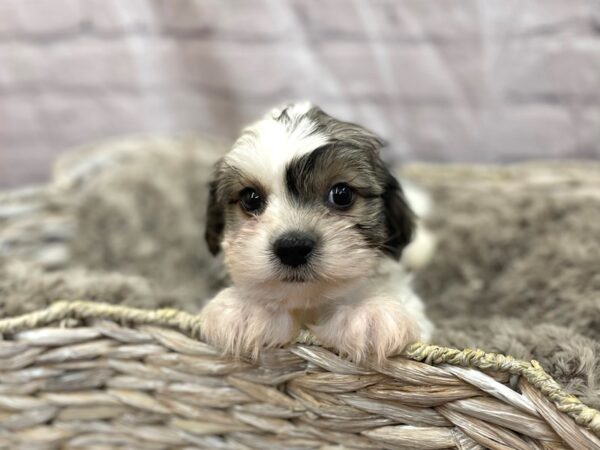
x=215, y=220
x=399, y=218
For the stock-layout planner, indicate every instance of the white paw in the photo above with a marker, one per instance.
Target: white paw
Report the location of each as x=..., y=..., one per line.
x=373, y=329
x=239, y=327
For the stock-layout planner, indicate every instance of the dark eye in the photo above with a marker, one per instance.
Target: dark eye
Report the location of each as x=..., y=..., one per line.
x=341, y=196
x=251, y=201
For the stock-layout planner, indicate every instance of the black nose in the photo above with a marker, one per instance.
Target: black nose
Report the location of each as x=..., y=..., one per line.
x=294, y=248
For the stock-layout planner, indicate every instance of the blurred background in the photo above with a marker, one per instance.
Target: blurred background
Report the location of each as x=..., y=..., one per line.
x=446, y=81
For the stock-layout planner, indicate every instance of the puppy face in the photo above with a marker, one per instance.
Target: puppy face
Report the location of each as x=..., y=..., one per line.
x=303, y=199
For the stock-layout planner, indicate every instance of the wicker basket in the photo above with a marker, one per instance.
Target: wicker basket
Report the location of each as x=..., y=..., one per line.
x=89, y=375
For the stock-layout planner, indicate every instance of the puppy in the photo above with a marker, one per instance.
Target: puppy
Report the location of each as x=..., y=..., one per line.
x=312, y=226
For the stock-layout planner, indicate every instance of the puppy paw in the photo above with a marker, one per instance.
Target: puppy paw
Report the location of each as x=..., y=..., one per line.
x=372, y=329
x=238, y=327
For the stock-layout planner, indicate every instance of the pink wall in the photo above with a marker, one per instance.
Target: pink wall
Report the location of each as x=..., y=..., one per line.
x=459, y=80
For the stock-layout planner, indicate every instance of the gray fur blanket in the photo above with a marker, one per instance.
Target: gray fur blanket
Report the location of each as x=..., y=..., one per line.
x=516, y=271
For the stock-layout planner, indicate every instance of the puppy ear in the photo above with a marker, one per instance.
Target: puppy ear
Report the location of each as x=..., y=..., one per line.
x=399, y=218
x=215, y=219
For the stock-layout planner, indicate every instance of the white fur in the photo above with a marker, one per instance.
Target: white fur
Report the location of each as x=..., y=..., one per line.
x=419, y=200
x=420, y=251
x=360, y=304
x=376, y=319
x=265, y=151
x=238, y=326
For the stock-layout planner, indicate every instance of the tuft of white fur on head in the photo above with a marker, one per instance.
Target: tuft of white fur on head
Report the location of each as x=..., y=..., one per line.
x=265, y=147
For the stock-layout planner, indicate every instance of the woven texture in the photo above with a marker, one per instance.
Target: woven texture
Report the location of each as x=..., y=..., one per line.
x=82, y=374
x=96, y=375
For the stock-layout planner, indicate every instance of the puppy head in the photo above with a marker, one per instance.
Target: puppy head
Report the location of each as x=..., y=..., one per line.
x=304, y=199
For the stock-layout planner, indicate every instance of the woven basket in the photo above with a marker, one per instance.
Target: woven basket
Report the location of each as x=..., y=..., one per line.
x=89, y=375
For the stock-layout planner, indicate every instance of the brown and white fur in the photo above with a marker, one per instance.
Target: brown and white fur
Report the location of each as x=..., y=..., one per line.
x=297, y=259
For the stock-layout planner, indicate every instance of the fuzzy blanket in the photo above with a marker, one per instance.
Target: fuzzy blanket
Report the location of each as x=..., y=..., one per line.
x=516, y=271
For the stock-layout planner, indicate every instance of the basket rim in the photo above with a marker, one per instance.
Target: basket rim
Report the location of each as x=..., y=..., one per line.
x=189, y=324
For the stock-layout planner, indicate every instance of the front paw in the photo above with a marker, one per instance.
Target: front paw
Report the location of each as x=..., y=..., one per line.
x=238, y=327
x=373, y=329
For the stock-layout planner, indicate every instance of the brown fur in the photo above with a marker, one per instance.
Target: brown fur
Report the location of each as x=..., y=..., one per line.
x=517, y=269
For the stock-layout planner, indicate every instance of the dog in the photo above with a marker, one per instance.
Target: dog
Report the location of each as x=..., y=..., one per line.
x=312, y=226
